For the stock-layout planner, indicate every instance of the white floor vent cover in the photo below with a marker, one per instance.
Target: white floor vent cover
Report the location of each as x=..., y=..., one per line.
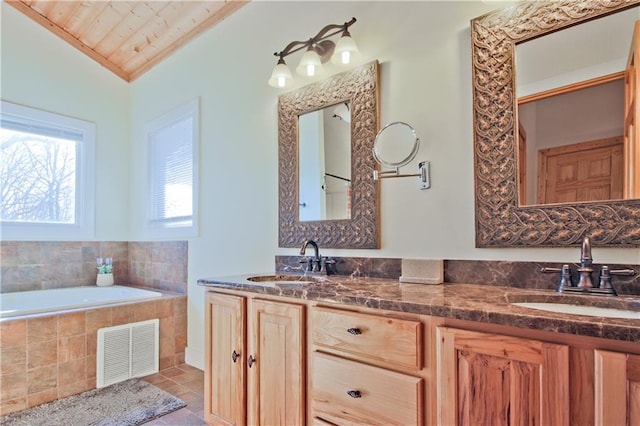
x=126, y=351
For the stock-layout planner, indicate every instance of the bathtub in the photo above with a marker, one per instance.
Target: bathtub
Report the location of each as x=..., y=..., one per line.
x=60, y=299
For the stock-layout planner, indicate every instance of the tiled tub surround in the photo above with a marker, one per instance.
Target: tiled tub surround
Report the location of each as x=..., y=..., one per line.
x=472, y=302
x=46, y=357
x=525, y=275
x=41, y=265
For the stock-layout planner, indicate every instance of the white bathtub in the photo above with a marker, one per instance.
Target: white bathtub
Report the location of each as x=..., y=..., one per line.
x=59, y=299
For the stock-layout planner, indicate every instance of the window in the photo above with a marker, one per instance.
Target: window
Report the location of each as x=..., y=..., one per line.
x=47, y=180
x=173, y=147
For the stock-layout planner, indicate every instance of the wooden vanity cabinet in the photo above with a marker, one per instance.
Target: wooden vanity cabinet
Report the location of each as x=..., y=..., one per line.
x=493, y=379
x=617, y=388
x=366, y=368
x=255, y=361
x=225, y=368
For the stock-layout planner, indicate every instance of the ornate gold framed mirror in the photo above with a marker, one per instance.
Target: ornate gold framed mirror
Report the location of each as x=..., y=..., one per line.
x=358, y=91
x=500, y=220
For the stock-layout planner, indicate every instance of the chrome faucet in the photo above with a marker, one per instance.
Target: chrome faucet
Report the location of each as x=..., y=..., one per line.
x=585, y=282
x=315, y=264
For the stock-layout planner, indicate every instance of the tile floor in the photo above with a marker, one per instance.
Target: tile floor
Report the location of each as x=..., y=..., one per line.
x=186, y=383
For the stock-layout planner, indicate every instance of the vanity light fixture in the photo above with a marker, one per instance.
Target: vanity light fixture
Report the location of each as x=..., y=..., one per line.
x=319, y=50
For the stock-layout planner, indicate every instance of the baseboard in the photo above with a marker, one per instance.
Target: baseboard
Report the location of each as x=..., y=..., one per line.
x=194, y=358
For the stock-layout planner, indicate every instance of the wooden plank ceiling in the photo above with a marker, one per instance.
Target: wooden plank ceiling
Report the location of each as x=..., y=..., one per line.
x=127, y=37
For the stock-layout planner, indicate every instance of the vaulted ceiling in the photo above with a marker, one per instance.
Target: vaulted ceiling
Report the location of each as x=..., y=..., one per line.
x=127, y=37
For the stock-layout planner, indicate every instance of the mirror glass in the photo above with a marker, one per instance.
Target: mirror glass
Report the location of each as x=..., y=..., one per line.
x=503, y=218
x=571, y=106
x=324, y=175
x=325, y=137
x=396, y=145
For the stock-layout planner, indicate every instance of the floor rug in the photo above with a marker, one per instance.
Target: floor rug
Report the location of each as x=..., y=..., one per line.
x=132, y=402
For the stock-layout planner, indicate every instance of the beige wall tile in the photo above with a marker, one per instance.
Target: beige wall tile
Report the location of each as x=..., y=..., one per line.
x=167, y=362
x=180, y=305
x=42, y=397
x=13, y=333
x=123, y=314
x=98, y=318
x=13, y=386
x=75, y=388
x=71, y=324
x=73, y=347
x=42, y=354
x=91, y=368
x=145, y=311
x=13, y=405
x=92, y=343
x=164, y=308
x=13, y=360
x=42, y=379
x=42, y=329
x=71, y=372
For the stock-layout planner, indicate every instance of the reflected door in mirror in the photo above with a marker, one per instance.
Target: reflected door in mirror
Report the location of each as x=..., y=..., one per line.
x=574, y=94
x=325, y=163
x=573, y=149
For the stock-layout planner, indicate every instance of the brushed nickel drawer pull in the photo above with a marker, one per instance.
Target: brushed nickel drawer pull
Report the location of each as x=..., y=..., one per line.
x=355, y=331
x=251, y=360
x=354, y=394
x=234, y=356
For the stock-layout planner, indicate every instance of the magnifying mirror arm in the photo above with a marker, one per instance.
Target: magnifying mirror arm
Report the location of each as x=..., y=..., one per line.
x=423, y=175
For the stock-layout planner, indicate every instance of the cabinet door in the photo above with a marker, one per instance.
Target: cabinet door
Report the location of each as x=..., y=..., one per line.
x=225, y=397
x=499, y=380
x=617, y=388
x=276, y=379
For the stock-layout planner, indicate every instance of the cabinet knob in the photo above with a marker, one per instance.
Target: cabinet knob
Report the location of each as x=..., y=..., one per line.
x=251, y=360
x=354, y=394
x=355, y=331
x=234, y=356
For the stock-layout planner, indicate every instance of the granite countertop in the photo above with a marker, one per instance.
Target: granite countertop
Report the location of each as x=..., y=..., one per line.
x=473, y=302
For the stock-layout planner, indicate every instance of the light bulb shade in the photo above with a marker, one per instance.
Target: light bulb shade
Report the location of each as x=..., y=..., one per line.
x=281, y=76
x=345, y=50
x=310, y=64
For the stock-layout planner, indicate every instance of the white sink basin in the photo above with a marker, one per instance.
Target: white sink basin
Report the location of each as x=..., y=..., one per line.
x=282, y=280
x=592, y=311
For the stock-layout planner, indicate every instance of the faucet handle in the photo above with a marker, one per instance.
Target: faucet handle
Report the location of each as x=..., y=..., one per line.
x=565, y=276
x=605, y=277
x=626, y=272
x=308, y=261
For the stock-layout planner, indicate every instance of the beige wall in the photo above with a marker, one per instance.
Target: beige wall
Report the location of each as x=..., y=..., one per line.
x=425, y=64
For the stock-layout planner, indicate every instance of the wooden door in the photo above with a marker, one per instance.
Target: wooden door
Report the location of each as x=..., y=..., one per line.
x=488, y=379
x=632, y=120
x=276, y=375
x=617, y=388
x=225, y=388
x=587, y=171
x=522, y=165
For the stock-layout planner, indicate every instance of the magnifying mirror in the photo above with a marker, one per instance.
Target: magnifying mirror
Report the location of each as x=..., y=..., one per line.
x=396, y=144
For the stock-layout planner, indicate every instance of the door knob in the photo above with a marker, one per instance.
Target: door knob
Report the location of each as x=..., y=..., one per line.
x=234, y=356
x=251, y=360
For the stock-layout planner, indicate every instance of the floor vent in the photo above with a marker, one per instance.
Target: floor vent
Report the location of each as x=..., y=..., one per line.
x=126, y=351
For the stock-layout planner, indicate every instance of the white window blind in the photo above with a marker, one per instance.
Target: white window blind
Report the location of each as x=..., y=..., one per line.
x=173, y=141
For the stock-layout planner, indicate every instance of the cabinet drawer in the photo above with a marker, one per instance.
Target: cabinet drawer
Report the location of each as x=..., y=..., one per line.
x=347, y=392
x=390, y=340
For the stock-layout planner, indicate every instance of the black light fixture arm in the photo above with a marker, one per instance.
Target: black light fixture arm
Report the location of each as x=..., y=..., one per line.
x=326, y=32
